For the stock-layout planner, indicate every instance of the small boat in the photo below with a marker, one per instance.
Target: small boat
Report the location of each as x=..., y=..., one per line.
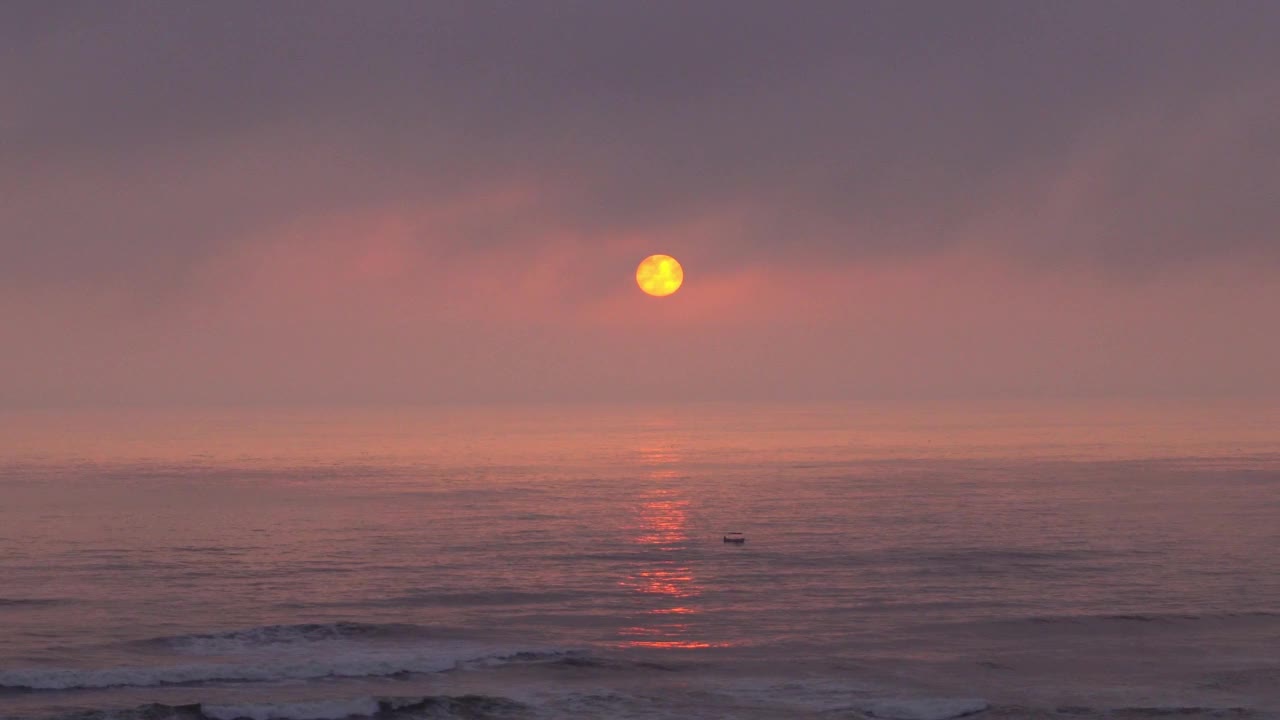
x=736, y=538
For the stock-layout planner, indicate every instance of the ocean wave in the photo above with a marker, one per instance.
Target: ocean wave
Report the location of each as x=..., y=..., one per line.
x=1182, y=710
x=471, y=599
x=1150, y=617
x=233, y=641
x=609, y=703
x=365, y=663
x=563, y=659
x=475, y=707
x=925, y=708
x=31, y=602
x=442, y=599
x=1153, y=711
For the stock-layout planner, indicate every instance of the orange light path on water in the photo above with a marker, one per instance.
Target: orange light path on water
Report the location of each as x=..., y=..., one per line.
x=663, y=527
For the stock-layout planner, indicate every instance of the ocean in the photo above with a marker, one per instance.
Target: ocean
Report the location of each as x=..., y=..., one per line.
x=911, y=563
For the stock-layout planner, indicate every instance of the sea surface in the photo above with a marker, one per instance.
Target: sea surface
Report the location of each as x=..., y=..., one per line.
x=912, y=563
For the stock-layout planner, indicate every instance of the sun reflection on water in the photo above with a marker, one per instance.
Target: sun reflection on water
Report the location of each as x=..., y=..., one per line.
x=666, y=581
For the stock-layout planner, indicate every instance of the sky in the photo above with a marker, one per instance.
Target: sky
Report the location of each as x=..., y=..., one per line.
x=445, y=202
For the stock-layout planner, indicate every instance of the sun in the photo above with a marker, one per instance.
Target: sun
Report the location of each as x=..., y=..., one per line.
x=659, y=275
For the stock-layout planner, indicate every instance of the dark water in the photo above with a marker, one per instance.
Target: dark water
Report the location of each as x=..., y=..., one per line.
x=570, y=564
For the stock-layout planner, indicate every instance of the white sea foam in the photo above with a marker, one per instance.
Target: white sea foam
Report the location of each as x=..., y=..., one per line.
x=925, y=708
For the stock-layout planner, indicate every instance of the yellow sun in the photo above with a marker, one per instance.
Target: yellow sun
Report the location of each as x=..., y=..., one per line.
x=659, y=275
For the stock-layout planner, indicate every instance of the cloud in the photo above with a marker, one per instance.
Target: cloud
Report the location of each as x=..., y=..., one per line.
x=446, y=200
